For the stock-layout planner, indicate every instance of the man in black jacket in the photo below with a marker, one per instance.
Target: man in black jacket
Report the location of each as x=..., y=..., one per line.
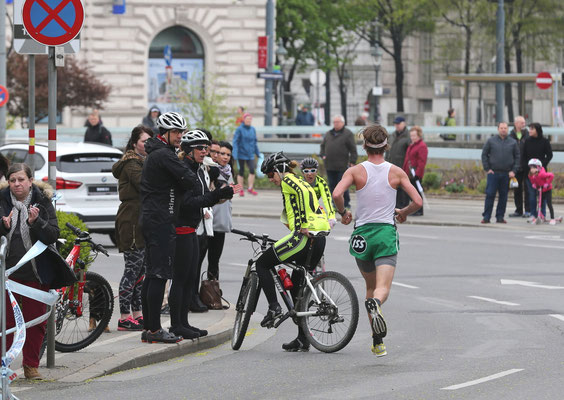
x=399, y=142
x=163, y=176
x=520, y=134
x=338, y=151
x=535, y=146
x=500, y=158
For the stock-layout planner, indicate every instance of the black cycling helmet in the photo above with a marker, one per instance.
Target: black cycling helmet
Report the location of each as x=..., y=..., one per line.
x=171, y=120
x=275, y=162
x=309, y=162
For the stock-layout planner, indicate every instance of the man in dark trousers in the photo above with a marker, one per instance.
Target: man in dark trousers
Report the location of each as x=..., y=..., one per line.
x=399, y=142
x=520, y=133
x=500, y=158
x=338, y=151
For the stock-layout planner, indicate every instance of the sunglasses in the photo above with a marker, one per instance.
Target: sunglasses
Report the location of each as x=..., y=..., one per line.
x=309, y=171
x=270, y=175
x=214, y=151
x=224, y=154
x=201, y=147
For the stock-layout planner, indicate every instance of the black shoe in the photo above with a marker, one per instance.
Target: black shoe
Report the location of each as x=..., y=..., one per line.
x=162, y=336
x=165, y=309
x=197, y=306
x=202, y=332
x=186, y=333
x=515, y=215
x=298, y=344
x=271, y=316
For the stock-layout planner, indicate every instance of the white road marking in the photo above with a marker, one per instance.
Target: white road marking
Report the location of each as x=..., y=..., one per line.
x=558, y=316
x=237, y=264
x=555, y=238
x=482, y=380
x=505, y=303
x=529, y=284
x=545, y=246
x=341, y=238
x=405, y=285
x=418, y=236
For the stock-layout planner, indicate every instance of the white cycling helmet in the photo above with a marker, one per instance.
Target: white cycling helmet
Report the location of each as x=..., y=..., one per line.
x=535, y=161
x=171, y=120
x=194, y=138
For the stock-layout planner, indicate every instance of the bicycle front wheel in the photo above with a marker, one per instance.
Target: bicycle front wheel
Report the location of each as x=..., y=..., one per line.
x=245, y=307
x=335, y=317
x=77, y=328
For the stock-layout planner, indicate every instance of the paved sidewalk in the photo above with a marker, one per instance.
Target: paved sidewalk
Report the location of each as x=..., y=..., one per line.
x=118, y=351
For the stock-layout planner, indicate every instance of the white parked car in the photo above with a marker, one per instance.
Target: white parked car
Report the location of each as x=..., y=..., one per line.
x=85, y=182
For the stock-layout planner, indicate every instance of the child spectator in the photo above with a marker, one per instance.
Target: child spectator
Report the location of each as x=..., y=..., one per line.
x=542, y=181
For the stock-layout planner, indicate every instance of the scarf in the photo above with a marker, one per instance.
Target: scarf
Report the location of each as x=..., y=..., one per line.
x=20, y=209
x=225, y=172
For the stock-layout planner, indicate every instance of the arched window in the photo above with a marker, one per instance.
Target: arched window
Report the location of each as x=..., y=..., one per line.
x=166, y=75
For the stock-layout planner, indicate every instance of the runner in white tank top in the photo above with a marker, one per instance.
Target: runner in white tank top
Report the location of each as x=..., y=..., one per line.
x=374, y=242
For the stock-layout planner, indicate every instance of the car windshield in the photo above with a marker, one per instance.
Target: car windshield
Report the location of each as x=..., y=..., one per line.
x=88, y=162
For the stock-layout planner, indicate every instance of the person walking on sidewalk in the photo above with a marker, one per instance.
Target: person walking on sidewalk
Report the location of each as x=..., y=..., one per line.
x=374, y=242
x=500, y=159
x=162, y=178
x=338, y=150
x=245, y=148
x=415, y=160
x=129, y=237
x=399, y=142
x=520, y=134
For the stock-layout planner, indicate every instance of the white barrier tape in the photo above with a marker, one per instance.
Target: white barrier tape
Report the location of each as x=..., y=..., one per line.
x=10, y=377
x=35, y=250
x=19, y=336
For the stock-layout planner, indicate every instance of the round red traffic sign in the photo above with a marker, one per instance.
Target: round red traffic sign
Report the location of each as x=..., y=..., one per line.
x=53, y=22
x=4, y=96
x=544, y=80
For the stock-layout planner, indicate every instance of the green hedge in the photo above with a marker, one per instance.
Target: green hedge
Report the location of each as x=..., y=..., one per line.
x=69, y=236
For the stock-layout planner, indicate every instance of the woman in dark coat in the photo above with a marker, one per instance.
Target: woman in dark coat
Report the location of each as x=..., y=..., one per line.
x=129, y=237
x=28, y=216
x=415, y=160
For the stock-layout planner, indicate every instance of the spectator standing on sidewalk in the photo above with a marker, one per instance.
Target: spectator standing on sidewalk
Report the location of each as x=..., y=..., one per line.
x=415, y=160
x=129, y=236
x=500, y=159
x=338, y=151
x=304, y=117
x=535, y=146
x=520, y=134
x=150, y=120
x=164, y=175
x=245, y=148
x=399, y=141
x=96, y=132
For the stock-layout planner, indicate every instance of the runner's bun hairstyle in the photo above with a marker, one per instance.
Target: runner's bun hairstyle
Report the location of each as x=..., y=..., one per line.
x=375, y=135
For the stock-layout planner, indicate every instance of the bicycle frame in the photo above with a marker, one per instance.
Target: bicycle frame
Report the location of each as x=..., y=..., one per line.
x=71, y=260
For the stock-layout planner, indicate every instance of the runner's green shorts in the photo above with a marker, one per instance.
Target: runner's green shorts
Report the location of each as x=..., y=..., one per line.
x=371, y=241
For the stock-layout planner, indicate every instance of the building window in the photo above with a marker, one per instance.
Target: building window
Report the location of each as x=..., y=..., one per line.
x=426, y=59
x=425, y=105
x=186, y=66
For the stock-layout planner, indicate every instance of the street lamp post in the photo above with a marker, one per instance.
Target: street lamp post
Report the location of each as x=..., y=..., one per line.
x=376, y=53
x=281, y=54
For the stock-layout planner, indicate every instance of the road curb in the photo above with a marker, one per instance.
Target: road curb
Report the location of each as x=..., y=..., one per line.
x=148, y=354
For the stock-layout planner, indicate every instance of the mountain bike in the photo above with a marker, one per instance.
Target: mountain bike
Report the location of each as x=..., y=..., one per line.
x=326, y=305
x=90, y=297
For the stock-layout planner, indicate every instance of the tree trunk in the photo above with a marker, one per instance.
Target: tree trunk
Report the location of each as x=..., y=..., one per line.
x=467, y=50
x=398, y=64
x=509, y=91
x=343, y=94
x=519, y=62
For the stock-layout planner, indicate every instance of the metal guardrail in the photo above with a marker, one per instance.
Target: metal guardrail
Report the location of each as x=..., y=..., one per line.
x=304, y=140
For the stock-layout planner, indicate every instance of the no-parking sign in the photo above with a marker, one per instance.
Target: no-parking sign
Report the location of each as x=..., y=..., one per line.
x=53, y=22
x=4, y=96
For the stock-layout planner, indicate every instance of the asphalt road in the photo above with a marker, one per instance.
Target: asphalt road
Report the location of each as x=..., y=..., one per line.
x=475, y=313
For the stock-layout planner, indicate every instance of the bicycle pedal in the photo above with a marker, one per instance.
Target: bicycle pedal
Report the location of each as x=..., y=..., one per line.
x=278, y=322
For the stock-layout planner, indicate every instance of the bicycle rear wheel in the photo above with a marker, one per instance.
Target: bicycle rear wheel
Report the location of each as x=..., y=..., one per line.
x=332, y=326
x=72, y=327
x=245, y=307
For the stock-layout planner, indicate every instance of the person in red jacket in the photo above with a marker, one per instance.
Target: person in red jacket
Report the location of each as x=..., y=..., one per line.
x=416, y=159
x=542, y=182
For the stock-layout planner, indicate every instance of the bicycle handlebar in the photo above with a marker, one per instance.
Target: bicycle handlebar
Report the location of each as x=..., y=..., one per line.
x=85, y=237
x=253, y=237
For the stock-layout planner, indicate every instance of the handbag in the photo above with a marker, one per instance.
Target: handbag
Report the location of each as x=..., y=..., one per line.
x=211, y=294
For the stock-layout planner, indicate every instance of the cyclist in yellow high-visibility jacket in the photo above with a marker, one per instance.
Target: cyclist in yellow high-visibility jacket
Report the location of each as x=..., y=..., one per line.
x=304, y=217
x=309, y=167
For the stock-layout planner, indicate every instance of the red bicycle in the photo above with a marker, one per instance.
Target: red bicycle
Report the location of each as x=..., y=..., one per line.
x=89, y=298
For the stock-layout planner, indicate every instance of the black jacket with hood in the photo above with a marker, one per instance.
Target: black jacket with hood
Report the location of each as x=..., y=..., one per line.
x=536, y=147
x=164, y=175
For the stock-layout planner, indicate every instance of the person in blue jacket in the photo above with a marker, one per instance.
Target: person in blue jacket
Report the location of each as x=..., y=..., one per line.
x=244, y=150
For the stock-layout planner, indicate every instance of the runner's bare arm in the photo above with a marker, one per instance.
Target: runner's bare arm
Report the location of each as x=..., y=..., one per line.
x=416, y=201
x=338, y=195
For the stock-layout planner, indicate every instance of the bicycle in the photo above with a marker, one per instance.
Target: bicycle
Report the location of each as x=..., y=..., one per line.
x=90, y=297
x=326, y=305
